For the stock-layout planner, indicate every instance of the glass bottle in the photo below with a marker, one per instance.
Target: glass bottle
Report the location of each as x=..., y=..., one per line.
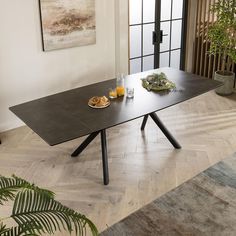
x=120, y=85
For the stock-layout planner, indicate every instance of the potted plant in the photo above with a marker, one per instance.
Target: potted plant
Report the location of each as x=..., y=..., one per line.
x=36, y=212
x=222, y=36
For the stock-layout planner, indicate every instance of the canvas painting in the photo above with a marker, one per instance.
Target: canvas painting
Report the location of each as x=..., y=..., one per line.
x=67, y=23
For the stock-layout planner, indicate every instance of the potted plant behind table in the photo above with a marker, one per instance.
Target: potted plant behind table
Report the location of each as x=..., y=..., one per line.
x=222, y=36
x=35, y=212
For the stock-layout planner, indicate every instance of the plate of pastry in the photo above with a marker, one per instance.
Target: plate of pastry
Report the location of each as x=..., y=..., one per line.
x=99, y=102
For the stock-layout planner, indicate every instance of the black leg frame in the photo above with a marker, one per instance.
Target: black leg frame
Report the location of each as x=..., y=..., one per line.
x=92, y=136
x=104, y=157
x=162, y=127
x=86, y=142
x=145, y=118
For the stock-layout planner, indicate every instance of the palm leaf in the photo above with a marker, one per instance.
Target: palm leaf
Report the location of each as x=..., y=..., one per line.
x=39, y=210
x=3, y=229
x=18, y=231
x=9, y=187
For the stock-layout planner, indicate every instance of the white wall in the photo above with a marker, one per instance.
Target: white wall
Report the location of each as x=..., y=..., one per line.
x=122, y=32
x=26, y=72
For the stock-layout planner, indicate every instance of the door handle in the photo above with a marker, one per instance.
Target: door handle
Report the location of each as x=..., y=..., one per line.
x=154, y=37
x=162, y=35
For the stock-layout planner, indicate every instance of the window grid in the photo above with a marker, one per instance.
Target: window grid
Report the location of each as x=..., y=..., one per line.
x=152, y=54
x=142, y=23
x=171, y=20
x=170, y=32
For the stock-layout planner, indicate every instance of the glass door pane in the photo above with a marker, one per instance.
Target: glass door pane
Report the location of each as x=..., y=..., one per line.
x=177, y=9
x=135, y=12
x=148, y=47
x=165, y=45
x=141, y=25
x=176, y=34
x=135, y=38
x=149, y=11
x=148, y=63
x=172, y=19
x=165, y=10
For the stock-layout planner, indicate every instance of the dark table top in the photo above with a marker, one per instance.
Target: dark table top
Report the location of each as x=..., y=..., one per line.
x=65, y=116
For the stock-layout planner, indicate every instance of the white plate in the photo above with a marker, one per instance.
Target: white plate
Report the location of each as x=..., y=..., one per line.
x=95, y=107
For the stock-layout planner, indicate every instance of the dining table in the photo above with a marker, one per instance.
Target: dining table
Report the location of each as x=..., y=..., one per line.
x=66, y=116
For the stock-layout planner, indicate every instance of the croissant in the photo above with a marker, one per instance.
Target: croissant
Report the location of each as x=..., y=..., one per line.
x=98, y=101
x=94, y=101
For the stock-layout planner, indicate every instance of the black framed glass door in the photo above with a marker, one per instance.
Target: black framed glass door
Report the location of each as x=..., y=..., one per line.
x=157, y=34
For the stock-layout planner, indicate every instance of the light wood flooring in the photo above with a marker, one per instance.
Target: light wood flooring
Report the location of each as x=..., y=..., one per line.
x=143, y=165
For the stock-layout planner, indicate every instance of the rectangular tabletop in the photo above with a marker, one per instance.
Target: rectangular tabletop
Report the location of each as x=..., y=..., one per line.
x=65, y=116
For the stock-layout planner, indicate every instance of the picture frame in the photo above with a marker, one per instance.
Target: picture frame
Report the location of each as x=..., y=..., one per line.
x=67, y=23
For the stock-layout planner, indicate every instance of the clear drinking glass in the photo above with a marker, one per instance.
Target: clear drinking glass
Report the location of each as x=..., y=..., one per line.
x=112, y=93
x=129, y=92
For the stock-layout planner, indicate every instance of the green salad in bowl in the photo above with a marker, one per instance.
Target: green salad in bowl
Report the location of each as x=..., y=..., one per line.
x=157, y=82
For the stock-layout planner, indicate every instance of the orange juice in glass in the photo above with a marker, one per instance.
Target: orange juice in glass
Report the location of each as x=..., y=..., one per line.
x=120, y=91
x=120, y=85
x=112, y=93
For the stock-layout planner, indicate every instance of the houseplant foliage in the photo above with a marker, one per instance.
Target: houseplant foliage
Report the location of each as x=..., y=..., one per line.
x=222, y=36
x=36, y=212
x=222, y=33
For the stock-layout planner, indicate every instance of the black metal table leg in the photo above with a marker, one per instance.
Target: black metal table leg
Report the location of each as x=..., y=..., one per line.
x=145, y=118
x=86, y=142
x=162, y=127
x=104, y=157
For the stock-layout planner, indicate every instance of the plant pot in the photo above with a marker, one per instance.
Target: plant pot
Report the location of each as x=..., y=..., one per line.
x=226, y=77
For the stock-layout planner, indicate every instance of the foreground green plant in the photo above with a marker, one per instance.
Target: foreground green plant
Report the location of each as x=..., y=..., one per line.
x=36, y=212
x=222, y=33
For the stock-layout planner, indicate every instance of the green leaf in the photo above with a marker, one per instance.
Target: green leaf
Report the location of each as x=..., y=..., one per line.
x=38, y=210
x=157, y=82
x=3, y=228
x=222, y=32
x=18, y=231
x=10, y=186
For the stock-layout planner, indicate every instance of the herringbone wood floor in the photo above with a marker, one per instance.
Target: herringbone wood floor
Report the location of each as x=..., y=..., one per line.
x=142, y=166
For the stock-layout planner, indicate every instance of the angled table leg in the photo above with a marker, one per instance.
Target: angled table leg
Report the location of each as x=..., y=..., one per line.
x=86, y=142
x=145, y=118
x=166, y=132
x=104, y=157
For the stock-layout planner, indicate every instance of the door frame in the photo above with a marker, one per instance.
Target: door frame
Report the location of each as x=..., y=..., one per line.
x=158, y=38
x=184, y=35
x=157, y=30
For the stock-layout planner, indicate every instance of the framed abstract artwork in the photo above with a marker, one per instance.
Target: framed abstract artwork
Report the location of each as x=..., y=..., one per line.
x=67, y=23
